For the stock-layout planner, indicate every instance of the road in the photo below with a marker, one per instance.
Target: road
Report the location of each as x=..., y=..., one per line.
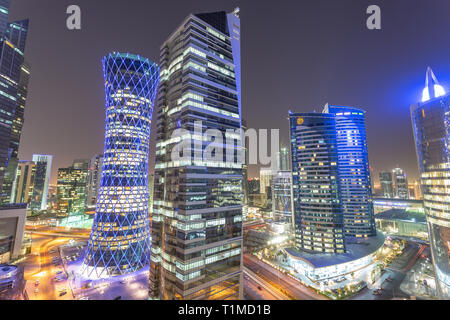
x=39, y=266
x=265, y=285
x=62, y=232
x=280, y=281
x=396, y=270
x=252, y=291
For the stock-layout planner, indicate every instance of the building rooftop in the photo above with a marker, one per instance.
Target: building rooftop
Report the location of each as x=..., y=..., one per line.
x=355, y=250
x=11, y=206
x=401, y=214
x=7, y=271
x=395, y=200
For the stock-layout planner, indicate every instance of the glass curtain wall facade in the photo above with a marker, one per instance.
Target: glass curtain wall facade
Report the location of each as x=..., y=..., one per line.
x=354, y=173
x=71, y=187
x=22, y=190
x=120, y=238
x=93, y=180
x=14, y=76
x=197, y=211
x=319, y=223
x=431, y=127
x=41, y=182
x=387, y=185
x=331, y=179
x=400, y=184
x=282, y=197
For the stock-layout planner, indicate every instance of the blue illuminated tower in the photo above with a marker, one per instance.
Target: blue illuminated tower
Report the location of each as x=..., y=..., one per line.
x=120, y=236
x=331, y=179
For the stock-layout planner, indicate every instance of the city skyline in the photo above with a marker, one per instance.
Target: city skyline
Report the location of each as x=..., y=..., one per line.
x=339, y=34
x=166, y=209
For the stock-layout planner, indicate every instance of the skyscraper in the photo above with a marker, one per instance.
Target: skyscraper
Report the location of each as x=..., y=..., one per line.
x=331, y=179
x=265, y=180
x=41, y=181
x=387, y=185
x=22, y=190
x=197, y=211
x=120, y=236
x=282, y=197
x=431, y=127
x=283, y=160
x=245, y=189
x=71, y=187
x=14, y=75
x=400, y=184
x=93, y=180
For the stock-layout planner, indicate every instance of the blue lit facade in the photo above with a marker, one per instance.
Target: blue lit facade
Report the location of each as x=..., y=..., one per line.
x=431, y=127
x=353, y=171
x=14, y=76
x=332, y=193
x=120, y=236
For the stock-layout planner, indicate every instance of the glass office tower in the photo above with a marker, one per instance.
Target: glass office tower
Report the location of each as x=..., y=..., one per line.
x=319, y=223
x=24, y=182
x=71, y=187
x=41, y=181
x=197, y=209
x=354, y=173
x=282, y=197
x=431, y=127
x=387, y=184
x=14, y=76
x=400, y=184
x=331, y=179
x=120, y=236
x=93, y=180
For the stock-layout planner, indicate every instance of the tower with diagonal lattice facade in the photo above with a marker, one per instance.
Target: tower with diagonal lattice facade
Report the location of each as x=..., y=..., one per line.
x=120, y=238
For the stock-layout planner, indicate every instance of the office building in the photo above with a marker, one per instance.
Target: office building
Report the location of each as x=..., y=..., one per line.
x=151, y=188
x=197, y=211
x=22, y=190
x=417, y=190
x=119, y=242
x=400, y=184
x=265, y=180
x=387, y=184
x=41, y=181
x=71, y=187
x=93, y=180
x=334, y=220
x=12, y=281
x=282, y=197
x=12, y=227
x=14, y=75
x=245, y=188
x=283, y=160
x=431, y=127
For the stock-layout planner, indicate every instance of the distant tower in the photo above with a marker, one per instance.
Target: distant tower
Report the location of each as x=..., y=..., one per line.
x=120, y=236
x=23, y=183
x=93, y=180
x=431, y=127
x=41, y=181
x=400, y=184
x=387, y=185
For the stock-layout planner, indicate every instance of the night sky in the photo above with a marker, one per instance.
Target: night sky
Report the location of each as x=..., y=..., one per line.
x=296, y=55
